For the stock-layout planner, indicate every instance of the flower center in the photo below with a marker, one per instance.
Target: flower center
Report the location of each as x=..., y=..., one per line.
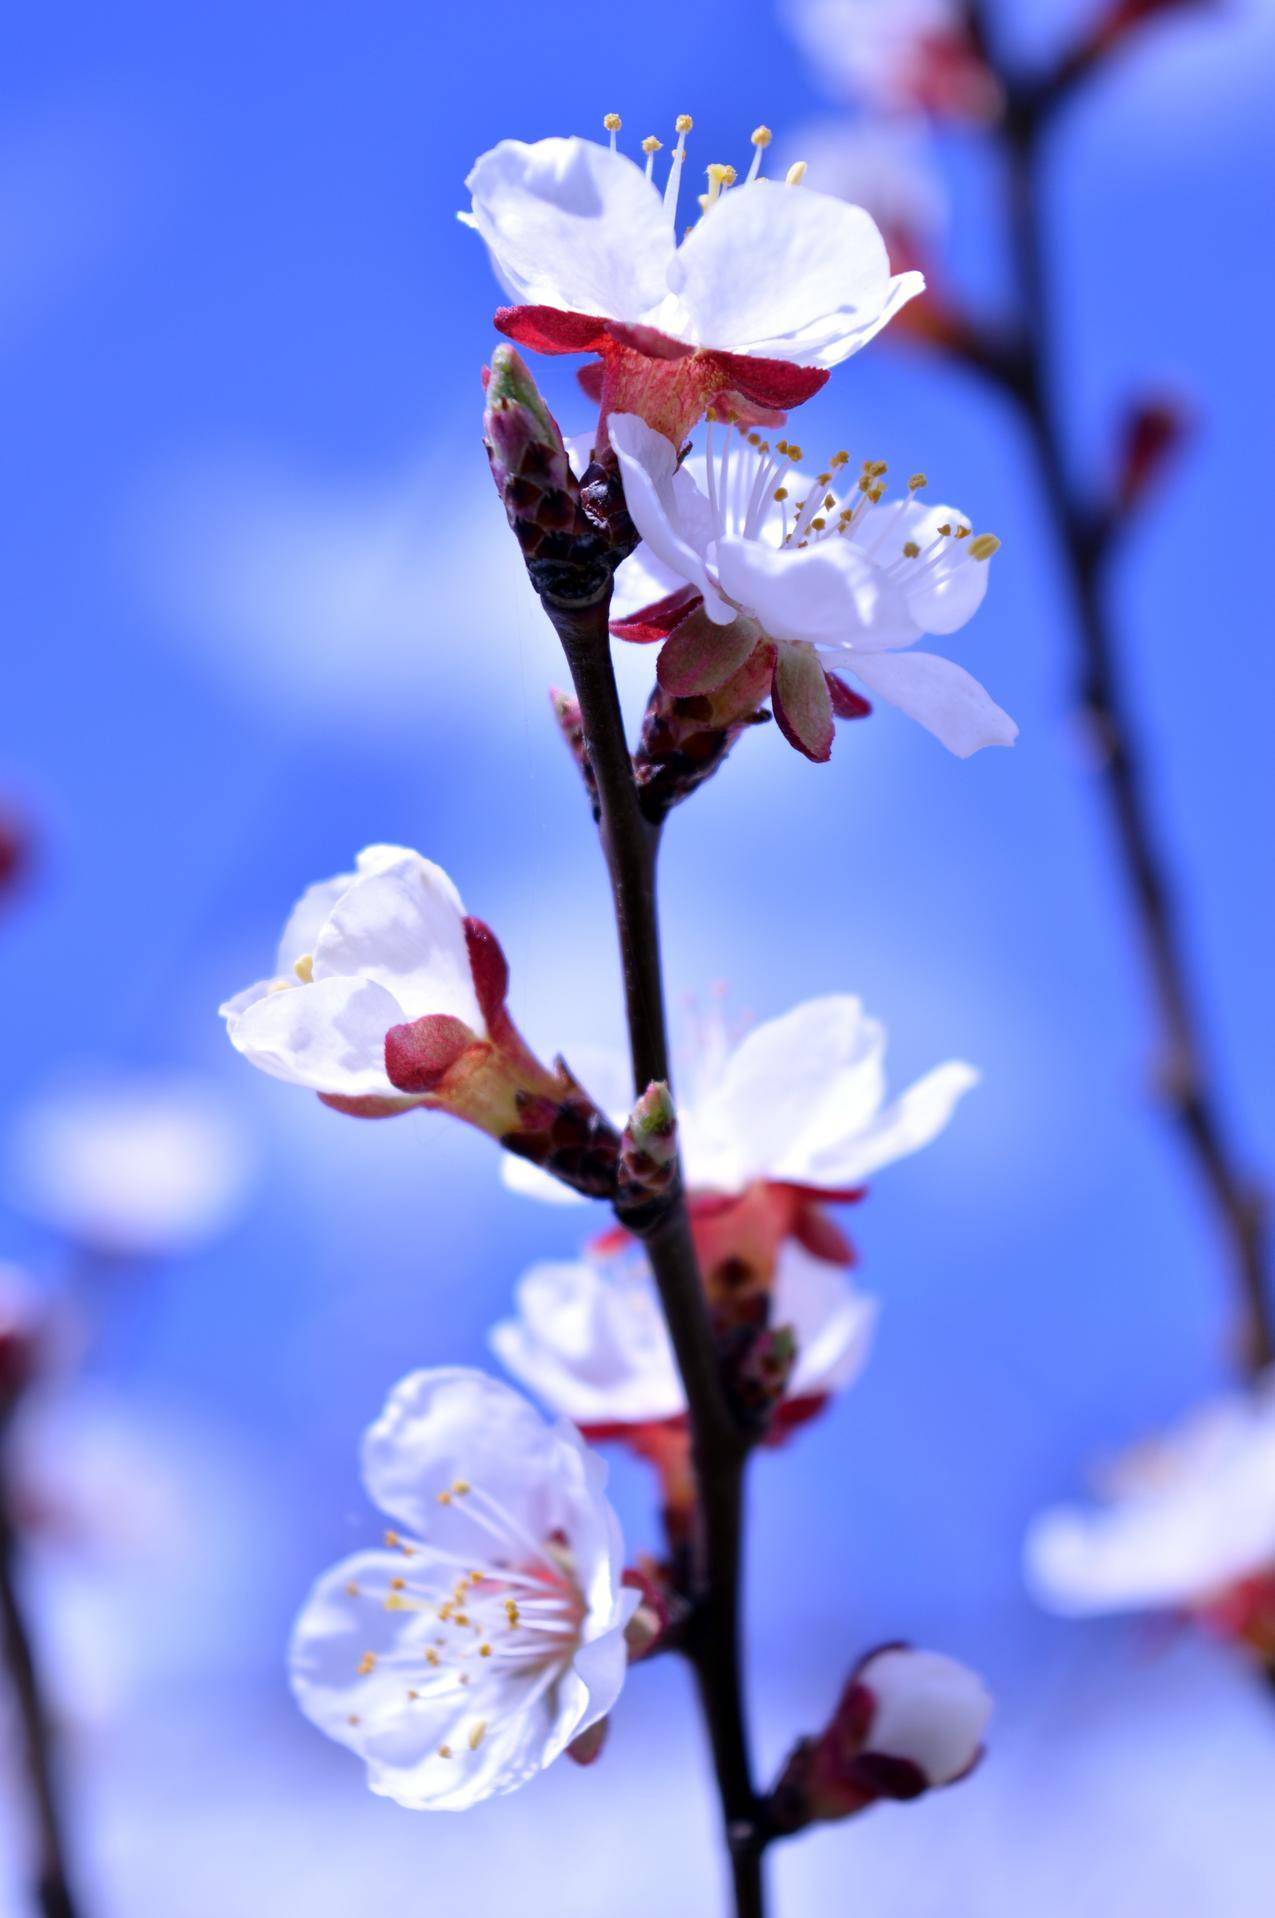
x=750, y=495
x=720, y=176
x=517, y=1613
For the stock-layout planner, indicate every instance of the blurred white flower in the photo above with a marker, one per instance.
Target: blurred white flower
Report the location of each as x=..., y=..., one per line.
x=1185, y=1517
x=820, y=566
x=468, y=1653
x=798, y=1100
x=591, y=1342
x=897, y=55
x=143, y=1165
x=928, y=1710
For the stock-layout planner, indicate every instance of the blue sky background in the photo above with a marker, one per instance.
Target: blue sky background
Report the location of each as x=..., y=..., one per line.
x=261, y=609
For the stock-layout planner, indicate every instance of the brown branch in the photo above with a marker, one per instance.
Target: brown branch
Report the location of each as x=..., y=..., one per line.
x=719, y=1448
x=50, y=1886
x=1186, y=1078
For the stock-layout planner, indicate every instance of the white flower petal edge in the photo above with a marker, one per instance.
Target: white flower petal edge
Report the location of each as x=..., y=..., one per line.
x=1187, y=1516
x=362, y=952
x=799, y=1099
x=466, y=1656
x=769, y=272
x=589, y=1337
x=860, y=582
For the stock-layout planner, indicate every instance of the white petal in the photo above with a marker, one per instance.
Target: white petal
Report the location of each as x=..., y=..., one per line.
x=930, y=1709
x=787, y=273
x=942, y=696
x=832, y=1322
x=306, y=921
x=233, y=1009
x=570, y=224
x=849, y=1156
x=794, y=1085
x=666, y=506
x=402, y=927
x=830, y=594
x=942, y=591
x=591, y=1343
x=399, y=1737
x=533, y=1182
x=329, y=1036
x=640, y=581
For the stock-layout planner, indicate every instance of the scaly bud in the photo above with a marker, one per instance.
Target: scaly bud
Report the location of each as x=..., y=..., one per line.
x=566, y=710
x=648, y=1151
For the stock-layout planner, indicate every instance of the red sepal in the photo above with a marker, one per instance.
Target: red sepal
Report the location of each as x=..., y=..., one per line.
x=774, y=384
x=846, y=703
x=367, y=1105
x=489, y=969
x=802, y=701
x=547, y=329
x=419, y=1055
x=702, y=656
x=656, y=622
x=590, y=378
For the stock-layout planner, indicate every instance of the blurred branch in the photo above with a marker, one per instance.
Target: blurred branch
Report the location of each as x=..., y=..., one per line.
x=1187, y=1083
x=51, y=1893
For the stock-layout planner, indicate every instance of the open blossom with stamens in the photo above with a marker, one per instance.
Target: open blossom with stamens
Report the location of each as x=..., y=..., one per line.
x=488, y=1634
x=1187, y=1524
x=386, y=996
x=590, y=1340
x=822, y=572
x=897, y=55
x=772, y=286
x=798, y=1101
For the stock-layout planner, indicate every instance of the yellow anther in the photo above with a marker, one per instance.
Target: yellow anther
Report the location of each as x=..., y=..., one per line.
x=795, y=174
x=484, y=1650
x=444, y=1751
x=352, y=1590
x=431, y=1657
x=781, y=446
x=651, y=144
x=511, y=1611
x=476, y=1734
x=945, y=530
x=818, y=523
x=781, y=492
x=984, y=546
x=353, y=1719
x=840, y=459
x=612, y=122
x=865, y=483
x=683, y=123
x=394, y=1602
x=444, y=1498
x=911, y=550
x=829, y=500
x=761, y=136
x=412, y=1692
x=917, y=481
x=461, y=1618
x=304, y=968
x=366, y=1664
x=963, y=532
x=877, y=495
x=460, y=1486
x=398, y=1584
x=878, y=467
x=793, y=452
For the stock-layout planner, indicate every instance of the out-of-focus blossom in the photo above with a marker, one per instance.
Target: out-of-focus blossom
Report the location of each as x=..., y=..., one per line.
x=24, y=1336
x=896, y=55
x=774, y=284
x=907, y=1721
x=141, y=1166
x=1187, y=1524
x=590, y=1339
x=15, y=849
x=885, y=165
x=386, y=996
x=817, y=570
x=799, y=1101
x=485, y=1638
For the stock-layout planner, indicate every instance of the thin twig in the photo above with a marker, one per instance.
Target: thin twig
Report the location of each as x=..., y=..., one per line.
x=1186, y=1079
x=50, y=1885
x=719, y=1447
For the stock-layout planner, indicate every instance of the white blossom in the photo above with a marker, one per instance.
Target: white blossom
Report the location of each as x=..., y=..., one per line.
x=895, y=55
x=798, y=1100
x=822, y=565
x=771, y=271
x=1184, y=1516
x=590, y=1340
x=130, y=1165
x=469, y=1651
x=360, y=954
x=929, y=1710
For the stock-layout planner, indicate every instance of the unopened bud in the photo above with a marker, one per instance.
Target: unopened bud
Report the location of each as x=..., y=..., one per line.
x=1153, y=432
x=907, y=1722
x=648, y=1149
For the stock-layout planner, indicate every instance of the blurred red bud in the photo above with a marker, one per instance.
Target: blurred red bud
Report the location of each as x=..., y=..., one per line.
x=1152, y=432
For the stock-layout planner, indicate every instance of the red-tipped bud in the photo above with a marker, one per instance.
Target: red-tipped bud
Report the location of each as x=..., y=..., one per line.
x=907, y=1722
x=1153, y=431
x=648, y=1150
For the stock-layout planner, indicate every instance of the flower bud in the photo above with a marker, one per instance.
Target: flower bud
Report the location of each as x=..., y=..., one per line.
x=24, y=1338
x=648, y=1150
x=685, y=738
x=1153, y=431
x=907, y=1722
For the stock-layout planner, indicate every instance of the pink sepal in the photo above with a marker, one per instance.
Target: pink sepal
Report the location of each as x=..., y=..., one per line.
x=420, y=1054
